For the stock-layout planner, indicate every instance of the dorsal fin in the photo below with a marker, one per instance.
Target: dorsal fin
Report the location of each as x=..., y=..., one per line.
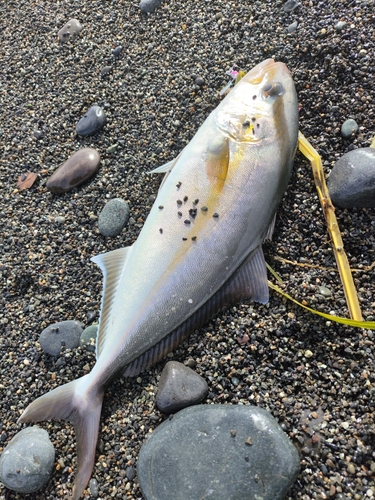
x=112, y=265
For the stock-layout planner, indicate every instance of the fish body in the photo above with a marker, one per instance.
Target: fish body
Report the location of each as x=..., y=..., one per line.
x=199, y=249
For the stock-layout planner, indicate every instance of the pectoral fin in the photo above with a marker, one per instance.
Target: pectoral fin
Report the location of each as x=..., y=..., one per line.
x=218, y=161
x=112, y=265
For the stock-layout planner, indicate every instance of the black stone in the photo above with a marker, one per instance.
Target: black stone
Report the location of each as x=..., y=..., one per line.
x=91, y=122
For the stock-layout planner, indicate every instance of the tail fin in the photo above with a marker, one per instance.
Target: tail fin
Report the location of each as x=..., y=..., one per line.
x=79, y=403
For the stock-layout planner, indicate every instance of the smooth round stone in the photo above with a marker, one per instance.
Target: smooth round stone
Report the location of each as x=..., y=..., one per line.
x=69, y=30
x=113, y=217
x=290, y=5
x=88, y=337
x=220, y=452
x=292, y=27
x=66, y=333
x=149, y=5
x=351, y=182
x=26, y=463
x=91, y=122
x=349, y=128
x=76, y=170
x=179, y=386
x=117, y=51
x=199, y=81
x=340, y=25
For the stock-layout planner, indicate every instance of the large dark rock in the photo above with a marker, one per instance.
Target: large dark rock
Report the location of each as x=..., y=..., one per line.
x=218, y=451
x=91, y=122
x=179, y=386
x=352, y=180
x=76, y=170
x=26, y=463
x=67, y=333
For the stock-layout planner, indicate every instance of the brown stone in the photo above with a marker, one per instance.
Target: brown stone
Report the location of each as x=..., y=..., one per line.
x=77, y=169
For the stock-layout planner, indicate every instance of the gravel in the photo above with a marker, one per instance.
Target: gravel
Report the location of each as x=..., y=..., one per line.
x=315, y=377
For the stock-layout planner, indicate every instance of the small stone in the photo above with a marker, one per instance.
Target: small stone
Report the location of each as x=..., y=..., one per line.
x=94, y=488
x=38, y=134
x=179, y=386
x=130, y=473
x=66, y=333
x=352, y=180
x=70, y=30
x=199, y=81
x=26, y=463
x=149, y=6
x=90, y=316
x=88, y=337
x=349, y=128
x=228, y=467
x=60, y=219
x=340, y=25
x=77, y=169
x=290, y=5
x=326, y=292
x=117, y=51
x=292, y=27
x=351, y=468
x=308, y=353
x=106, y=70
x=91, y=122
x=113, y=217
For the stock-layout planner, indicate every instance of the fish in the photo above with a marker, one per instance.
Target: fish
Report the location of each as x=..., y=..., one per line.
x=199, y=250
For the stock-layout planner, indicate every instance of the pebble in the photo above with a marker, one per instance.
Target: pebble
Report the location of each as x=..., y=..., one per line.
x=66, y=333
x=91, y=122
x=117, y=51
x=94, y=488
x=113, y=217
x=349, y=128
x=38, y=134
x=70, y=30
x=340, y=25
x=218, y=451
x=179, y=386
x=351, y=182
x=199, y=81
x=26, y=463
x=292, y=27
x=149, y=6
x=77, y=169
x=88, y=337
x=290, y=5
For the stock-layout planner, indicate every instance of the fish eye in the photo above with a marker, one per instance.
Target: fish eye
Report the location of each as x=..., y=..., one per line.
x=273, y=89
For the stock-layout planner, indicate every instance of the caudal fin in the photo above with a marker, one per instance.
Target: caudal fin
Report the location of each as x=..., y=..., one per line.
x=81, y=405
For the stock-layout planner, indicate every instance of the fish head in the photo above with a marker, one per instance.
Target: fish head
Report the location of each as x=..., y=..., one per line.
x=262, y=106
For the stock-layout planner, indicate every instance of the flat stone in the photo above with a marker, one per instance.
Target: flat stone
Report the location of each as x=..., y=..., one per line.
x=220, y=452
x=66, y=333
x=113, y=217
x=149, y=6
x=70, y=30
x=88, y=337
x=91, y=122
x=77, y=169
x=26, y=463
x=351, y=182
x=179, y=386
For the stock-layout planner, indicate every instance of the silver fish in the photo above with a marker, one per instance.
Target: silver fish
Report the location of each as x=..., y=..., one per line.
x=200, y=247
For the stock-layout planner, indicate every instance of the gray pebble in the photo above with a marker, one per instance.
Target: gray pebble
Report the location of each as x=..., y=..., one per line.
x=199, y=81
x=66, y=333
x=340, y=25
x=130, y=473
x=38, y=134
x=69, y=30
x=179, y=386
x=241, y=450
x=292, y=27
x=349, y=128
x=91, y=122
x=117, y=51
x=94, y=489
x=149, y=6
x=352, y=180
x=26, y=463
x=106, y=70
x=290, y=5
x=113, y=217
x=88, y=337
